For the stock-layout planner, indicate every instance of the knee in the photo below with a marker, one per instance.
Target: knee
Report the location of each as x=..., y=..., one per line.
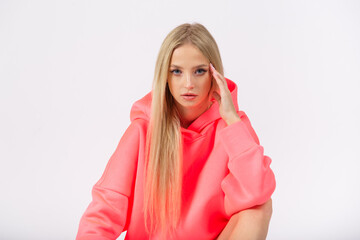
x=266, y=209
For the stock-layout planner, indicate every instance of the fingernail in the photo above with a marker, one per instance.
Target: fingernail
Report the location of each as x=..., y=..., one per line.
x=211, y=65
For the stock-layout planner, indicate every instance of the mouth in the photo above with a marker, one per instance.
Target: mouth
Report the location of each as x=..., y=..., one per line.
x=189, y=96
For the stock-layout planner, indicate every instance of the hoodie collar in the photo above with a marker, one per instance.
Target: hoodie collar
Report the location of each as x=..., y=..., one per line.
x=142, y=108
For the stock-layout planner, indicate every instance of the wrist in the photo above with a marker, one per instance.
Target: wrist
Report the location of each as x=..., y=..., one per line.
x=232, y=120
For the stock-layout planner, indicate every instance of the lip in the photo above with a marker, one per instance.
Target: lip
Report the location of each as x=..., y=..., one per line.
x=189, y=96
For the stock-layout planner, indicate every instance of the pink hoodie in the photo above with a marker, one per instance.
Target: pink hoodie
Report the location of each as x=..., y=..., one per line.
x=225, y=171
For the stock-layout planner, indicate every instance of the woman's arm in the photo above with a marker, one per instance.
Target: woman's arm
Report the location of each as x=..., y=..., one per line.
x=108, y=215
x=249, y=224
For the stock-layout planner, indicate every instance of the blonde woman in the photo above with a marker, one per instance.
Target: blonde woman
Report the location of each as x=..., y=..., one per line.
x=190, y=165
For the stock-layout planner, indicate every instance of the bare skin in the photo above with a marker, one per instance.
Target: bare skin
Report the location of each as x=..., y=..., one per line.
x=190, y=73
x=249, y=224
x=226, y=105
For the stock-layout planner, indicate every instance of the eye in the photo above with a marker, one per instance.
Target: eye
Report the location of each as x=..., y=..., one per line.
x=176, y=71
x=201, y=70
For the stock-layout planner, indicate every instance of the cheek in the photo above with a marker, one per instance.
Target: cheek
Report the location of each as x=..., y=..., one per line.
x=206, y=85
x=172, y=87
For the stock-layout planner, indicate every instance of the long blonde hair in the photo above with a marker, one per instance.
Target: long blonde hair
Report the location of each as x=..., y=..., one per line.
x=163, y=164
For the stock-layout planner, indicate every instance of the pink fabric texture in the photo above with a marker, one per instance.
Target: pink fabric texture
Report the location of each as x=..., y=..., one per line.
x=224, y=171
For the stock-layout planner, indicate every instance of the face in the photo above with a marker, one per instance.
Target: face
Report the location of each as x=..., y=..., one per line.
x=189, y=79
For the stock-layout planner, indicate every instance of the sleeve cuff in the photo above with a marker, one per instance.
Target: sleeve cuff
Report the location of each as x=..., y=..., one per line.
x=236, y=139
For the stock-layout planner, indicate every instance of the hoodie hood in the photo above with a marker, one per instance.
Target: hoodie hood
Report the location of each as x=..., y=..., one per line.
x=141, y=109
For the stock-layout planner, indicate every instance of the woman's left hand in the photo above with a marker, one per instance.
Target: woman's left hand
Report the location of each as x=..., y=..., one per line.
x=226, y=105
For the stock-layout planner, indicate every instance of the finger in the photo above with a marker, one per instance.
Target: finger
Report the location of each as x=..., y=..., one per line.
x=219, y=80
x=211, y=68
x=217, y=97
x=214, y=71
x=218, y=77
x=220, y=87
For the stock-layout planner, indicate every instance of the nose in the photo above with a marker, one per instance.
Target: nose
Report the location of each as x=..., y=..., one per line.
x=189, y=84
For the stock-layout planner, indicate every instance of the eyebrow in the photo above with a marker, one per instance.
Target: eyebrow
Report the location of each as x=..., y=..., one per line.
x=201, y=65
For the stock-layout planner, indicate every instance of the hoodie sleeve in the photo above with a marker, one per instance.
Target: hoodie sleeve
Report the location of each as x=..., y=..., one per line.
x=250, y=180
x=106, y=217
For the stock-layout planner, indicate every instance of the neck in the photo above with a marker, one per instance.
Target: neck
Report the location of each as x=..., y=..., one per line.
x=188, y=115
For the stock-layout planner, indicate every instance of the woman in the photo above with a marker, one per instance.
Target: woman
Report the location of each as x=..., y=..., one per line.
x=190, y=165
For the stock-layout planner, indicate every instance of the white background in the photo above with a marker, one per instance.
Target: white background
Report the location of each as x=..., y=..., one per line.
x=70, y=71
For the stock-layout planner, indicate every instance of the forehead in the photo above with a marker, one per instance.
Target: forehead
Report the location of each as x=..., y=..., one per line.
x=188, y=55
